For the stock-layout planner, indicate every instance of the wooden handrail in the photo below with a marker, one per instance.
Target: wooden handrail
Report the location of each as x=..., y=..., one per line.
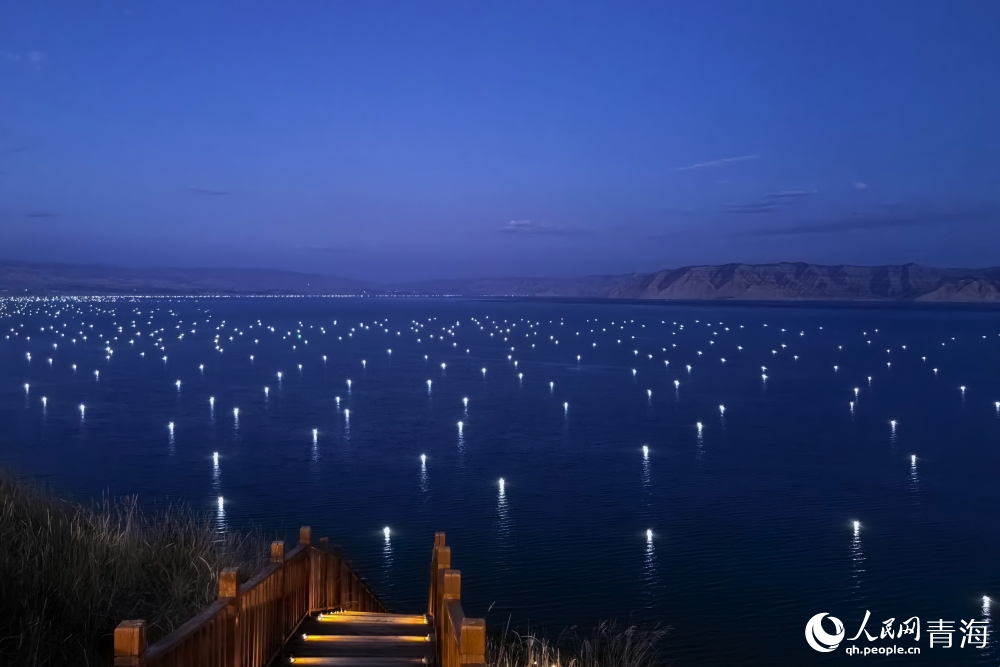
x=460, y=640
x=249, y=623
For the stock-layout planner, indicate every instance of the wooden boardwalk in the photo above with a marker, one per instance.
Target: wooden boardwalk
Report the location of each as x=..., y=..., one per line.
x=310, y=607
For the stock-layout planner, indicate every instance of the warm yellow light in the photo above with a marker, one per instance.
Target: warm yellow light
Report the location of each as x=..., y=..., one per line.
x=367, y=640
x=322, y=661
x=353, y=617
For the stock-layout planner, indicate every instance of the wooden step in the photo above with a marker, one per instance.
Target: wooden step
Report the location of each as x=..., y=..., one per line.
x=411, y=650
x=372, y=617
x=338, y=625
x=375, y=640
x=369, y=614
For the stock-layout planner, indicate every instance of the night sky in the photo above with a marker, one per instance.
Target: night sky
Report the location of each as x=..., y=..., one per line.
x=409, y=140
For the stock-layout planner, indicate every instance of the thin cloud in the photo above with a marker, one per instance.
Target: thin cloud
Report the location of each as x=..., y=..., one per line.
x=529, y=228
x=758, y=207
x=901, y=219
x=717, y=163
x=209, y=192
x=40, y=214
x=771, y=201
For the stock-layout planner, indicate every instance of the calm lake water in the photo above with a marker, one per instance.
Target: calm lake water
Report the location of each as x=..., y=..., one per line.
x=750, y=515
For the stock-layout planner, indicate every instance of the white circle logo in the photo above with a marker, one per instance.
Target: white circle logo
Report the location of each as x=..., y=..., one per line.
x=819, y=639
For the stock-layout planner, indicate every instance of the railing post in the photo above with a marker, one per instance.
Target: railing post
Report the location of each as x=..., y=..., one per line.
x=278, y=552
x=351, y=586
x=323, y=575
x=472, y=641
x=305, y=538
x=431, y=597
x=229, y=589
x=130, y=644
x=338, y=592
x=431, y=601
x=440, y=560
x=449, y=588
x=278, y=556
x=452, y=585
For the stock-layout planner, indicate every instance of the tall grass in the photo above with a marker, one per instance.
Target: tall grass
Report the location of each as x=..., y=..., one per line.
x=70, y=573
x=610, y=644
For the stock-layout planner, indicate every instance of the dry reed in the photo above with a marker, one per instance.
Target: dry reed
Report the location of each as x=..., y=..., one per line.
x=70, y=573
x=610, y=644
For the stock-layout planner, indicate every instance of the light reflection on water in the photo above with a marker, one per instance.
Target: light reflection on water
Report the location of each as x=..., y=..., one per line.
x=216, y=473
x=423, y=477
x=386, y=570
x=220, y=516
x=646, y=477
x=502, y=527
x=857, y=566
x=649, y=577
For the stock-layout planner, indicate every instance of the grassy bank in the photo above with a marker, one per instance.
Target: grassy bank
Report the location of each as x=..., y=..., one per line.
x=610, y=644
x=70, y=573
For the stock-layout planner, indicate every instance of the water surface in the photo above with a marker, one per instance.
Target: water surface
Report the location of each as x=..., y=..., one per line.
x=750, y=516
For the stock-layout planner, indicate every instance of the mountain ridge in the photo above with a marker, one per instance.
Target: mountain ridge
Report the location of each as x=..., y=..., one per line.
x=782, y=281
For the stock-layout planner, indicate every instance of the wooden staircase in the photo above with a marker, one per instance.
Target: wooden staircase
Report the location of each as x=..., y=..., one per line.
x=361, y=639
x=310, y=607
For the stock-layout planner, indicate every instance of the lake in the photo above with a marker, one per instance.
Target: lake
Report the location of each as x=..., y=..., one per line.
x=700, y=466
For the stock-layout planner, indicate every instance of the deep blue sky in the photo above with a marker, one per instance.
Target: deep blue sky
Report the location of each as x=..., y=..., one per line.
x=405, y=140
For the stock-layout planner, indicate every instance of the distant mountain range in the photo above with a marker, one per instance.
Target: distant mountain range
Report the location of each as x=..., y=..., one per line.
x=791, y=281
x=30, y=278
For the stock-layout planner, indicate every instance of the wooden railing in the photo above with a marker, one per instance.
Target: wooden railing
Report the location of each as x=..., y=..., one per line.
x=249, y=623
x=460, y=640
